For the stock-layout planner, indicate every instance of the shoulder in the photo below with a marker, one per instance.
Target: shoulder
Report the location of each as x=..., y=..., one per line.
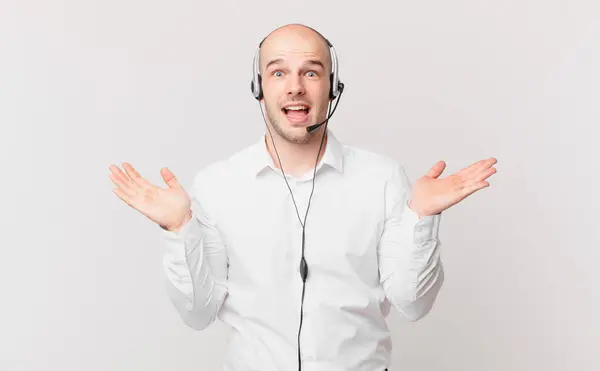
x=224, y=169
x=229, y=170
x=371, y=163
x=214, y=183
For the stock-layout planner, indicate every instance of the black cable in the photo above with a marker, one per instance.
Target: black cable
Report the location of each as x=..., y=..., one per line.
x=303, y=264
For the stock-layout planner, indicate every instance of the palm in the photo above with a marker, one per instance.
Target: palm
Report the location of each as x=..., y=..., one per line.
x=165, y=206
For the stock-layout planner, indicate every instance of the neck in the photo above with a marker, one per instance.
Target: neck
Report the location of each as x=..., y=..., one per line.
x=297, y=158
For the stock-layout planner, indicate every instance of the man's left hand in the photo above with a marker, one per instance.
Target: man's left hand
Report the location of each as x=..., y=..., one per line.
x=431, y=195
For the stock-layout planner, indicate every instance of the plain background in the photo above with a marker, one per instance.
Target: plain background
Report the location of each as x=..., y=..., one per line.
x=88, y=83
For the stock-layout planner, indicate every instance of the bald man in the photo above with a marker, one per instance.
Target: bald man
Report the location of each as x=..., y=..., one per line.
x=299, y=242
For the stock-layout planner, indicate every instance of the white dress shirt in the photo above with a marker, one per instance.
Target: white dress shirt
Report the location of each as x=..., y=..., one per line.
x=366, y=250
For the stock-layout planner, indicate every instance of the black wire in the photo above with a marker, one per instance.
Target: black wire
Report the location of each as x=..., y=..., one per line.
x=303, y=224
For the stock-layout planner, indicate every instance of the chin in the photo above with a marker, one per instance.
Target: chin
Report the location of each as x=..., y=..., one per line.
x=293, y=133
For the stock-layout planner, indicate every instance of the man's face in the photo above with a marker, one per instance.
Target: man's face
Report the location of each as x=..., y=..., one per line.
x=295, y=69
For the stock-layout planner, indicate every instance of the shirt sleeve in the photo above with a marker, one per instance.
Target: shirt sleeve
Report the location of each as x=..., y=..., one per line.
x=195, y=265
x=410, y=266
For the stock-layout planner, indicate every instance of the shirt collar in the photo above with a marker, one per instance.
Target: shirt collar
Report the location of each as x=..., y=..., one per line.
x=260, y=159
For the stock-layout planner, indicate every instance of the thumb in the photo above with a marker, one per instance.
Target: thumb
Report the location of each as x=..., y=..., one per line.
x=436, y=170
x=170, y=178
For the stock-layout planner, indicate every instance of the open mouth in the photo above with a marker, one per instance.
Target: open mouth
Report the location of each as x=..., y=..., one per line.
x=296, y=114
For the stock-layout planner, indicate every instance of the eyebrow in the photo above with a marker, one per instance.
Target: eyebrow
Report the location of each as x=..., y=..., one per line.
x=311, y=62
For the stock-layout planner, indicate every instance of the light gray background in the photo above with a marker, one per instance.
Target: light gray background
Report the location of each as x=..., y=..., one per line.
x=88, y=83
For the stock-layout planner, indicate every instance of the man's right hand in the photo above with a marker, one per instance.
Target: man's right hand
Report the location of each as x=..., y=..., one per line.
x=169, y=207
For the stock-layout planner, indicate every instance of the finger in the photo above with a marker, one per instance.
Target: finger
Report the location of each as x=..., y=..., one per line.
x=135, y=176
x=471, y=169
x=478, y=178
x=485, y=164
x=170, y=178
x=469, y=190
x=124, y=187
x=123, y=179
x=436, y=170
x=478, y=166
x=469, y=180
x=484, y=174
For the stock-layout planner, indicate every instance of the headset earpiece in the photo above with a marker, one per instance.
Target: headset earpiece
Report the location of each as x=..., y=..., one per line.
x=256, y=84
x=334, y=93
x=257, y=90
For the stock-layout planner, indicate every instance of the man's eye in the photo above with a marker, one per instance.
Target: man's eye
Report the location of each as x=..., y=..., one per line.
x=312, y=73
x=277, y=73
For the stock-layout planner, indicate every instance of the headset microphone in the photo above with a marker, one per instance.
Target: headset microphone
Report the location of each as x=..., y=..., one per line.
x=316, y=126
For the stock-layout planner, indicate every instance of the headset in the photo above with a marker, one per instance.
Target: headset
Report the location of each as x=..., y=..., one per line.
x=336, y=88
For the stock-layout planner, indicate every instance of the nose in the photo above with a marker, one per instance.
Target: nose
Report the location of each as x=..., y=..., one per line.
x=295, y=86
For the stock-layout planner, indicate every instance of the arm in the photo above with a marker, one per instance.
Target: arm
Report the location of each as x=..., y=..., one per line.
x=410, y=267
x=195, y=266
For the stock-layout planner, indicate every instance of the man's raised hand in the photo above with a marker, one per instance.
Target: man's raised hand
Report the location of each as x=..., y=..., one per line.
x=169, y=207
x=432, y=194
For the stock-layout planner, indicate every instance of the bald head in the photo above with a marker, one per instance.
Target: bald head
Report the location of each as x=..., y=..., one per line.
x=294, y=38
x=295, y=27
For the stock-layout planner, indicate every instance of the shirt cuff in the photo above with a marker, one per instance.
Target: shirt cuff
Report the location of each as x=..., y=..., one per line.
x=181, y=242
x=424, y=229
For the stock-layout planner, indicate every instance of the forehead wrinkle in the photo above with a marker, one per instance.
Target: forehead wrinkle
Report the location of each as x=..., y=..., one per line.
x=311, y=58
x=306, y=38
